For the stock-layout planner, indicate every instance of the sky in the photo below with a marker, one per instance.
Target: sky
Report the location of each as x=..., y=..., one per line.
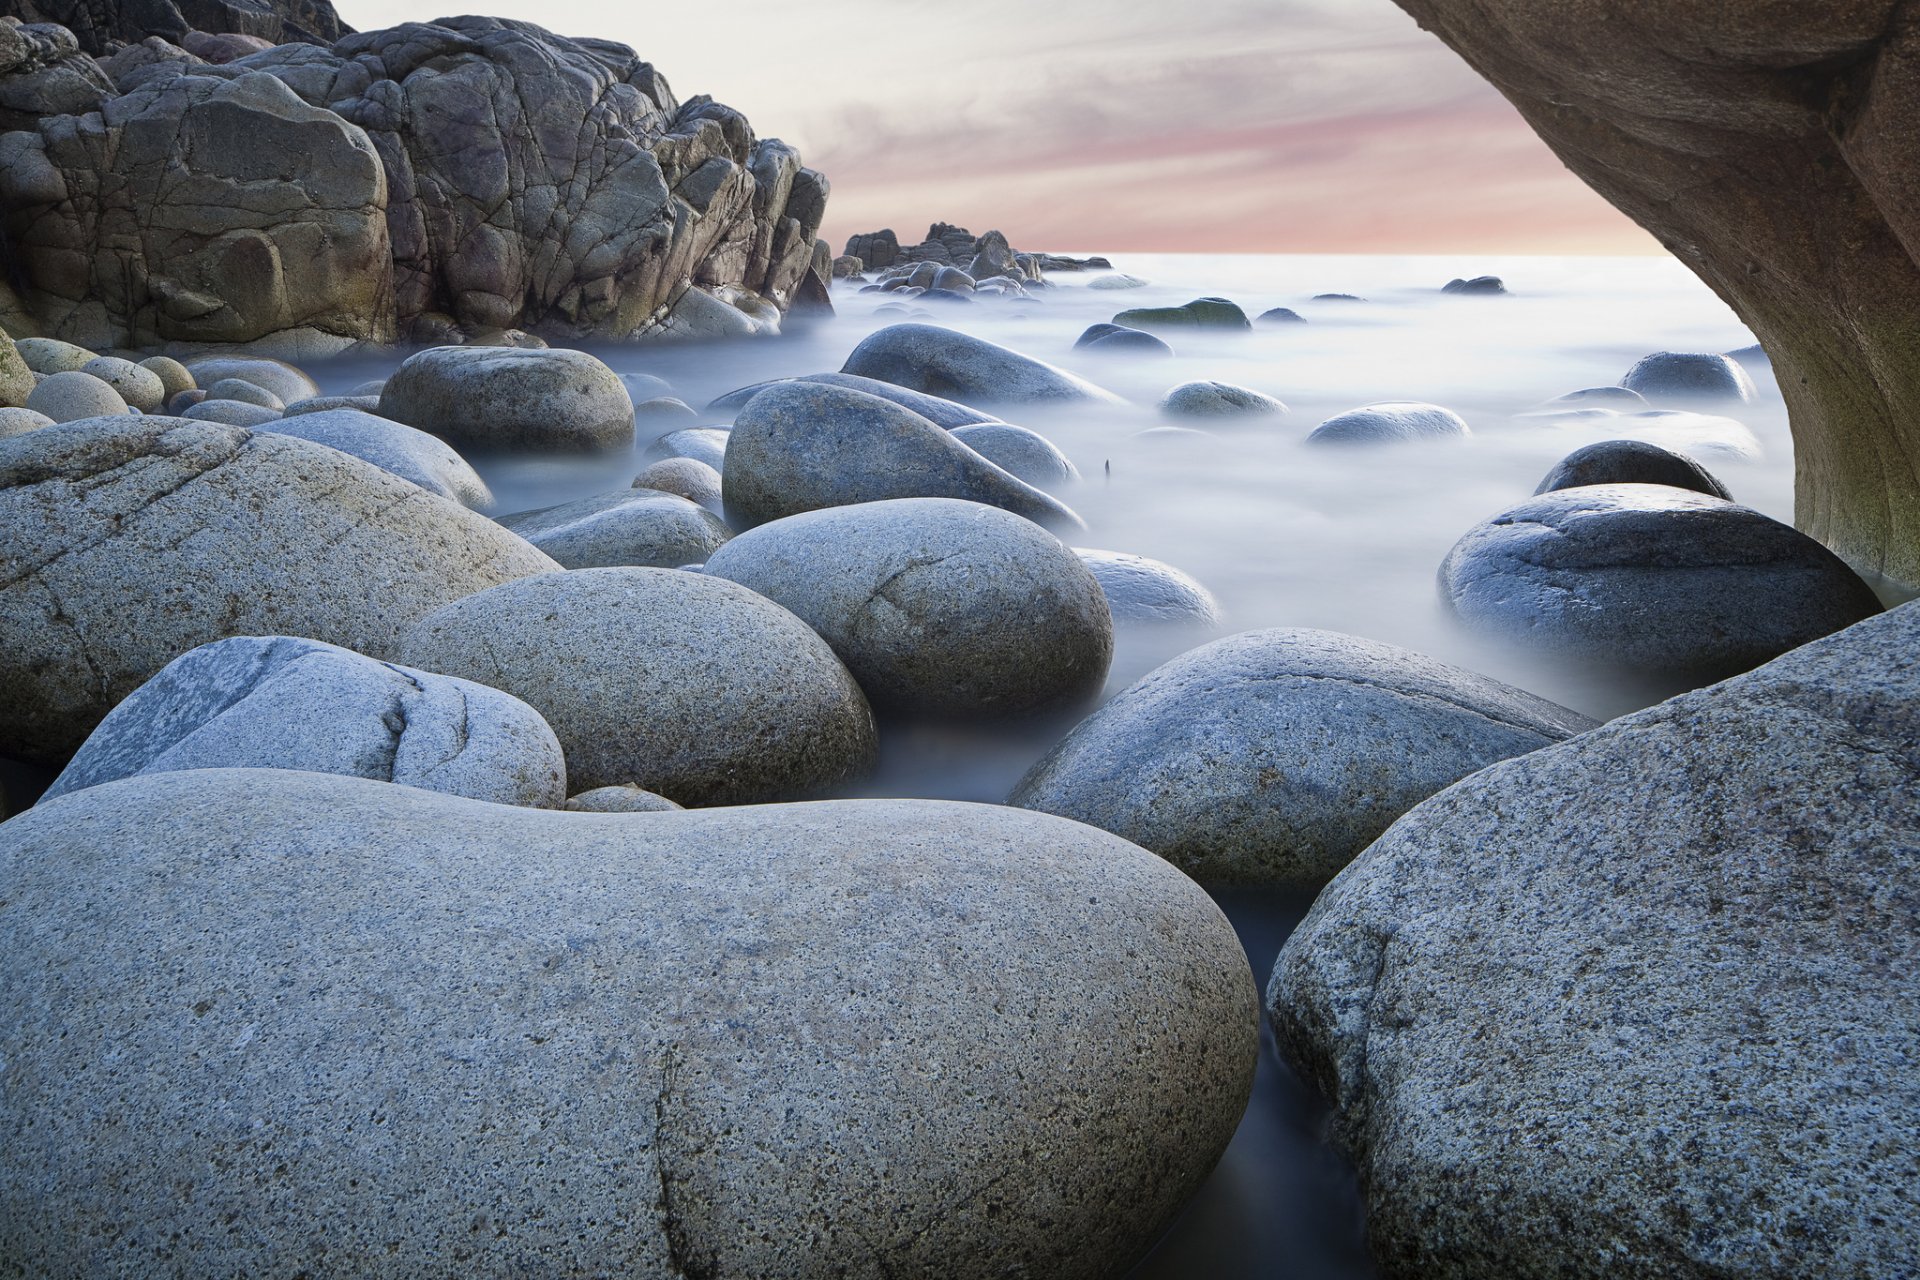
x=1280, y=126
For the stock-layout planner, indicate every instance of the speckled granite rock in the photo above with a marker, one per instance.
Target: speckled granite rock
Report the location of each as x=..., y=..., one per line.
x=957, y=366
x=935, y=409
x=277, y=702
x=1642, y=1003
x=1649, y=577
x=69, y=397
x=1143, y=590
x=1024, y=454
x=510, y=398
x=400, y=1034
x=630, y=527
x=619, y=799
x=937, y=606
x=1273, y=757
x=124, y=542
x=393, y=447
x=685, y=685
x=140, y=388
x=688, y=477
x=802, y=446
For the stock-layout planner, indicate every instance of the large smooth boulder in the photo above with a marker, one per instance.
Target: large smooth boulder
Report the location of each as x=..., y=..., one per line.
x=127, y=541
x=1274, y=757
x=935, y=409
x=287, y=382
x=233, y=413
x=1141, y=590
x=1201, y=313
x=140, y=388
x=629, y=527
x=1649, y=577
x=511, y=398
x=1019, y=452
x=1393, y=422
x=1689, y=377
x=278, y=702
x=958, y=366
x=937, y=606
x=699, y=444
x=401, y=1034
x=1642, y=1003
x=1630, y=462
x=393, y=447
x=1218, y=400
x=688, y=477
x=683, y=684
x=16, y=379
x=802, y=446
x=70, y=397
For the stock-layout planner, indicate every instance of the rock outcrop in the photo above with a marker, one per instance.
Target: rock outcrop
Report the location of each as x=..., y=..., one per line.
x=1771, y=148
x=100, y=26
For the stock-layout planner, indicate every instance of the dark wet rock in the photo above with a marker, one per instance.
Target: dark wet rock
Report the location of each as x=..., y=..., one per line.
x=1630, y=462
x=630, y=527
x=1668, y=377
x=44, y=73
x=506, y=398
x=1640, y=1003
x=1115, y=339
x=937, y=606
x=1274, y=757
x=875, y=249
x=1140, y=590
x=957, y=366
x=1020, y=452
x=100, y=25
x=1478, y=286
x=1337, y=297
x=1390, y=423
x=1201, y=313
x=1649, y=577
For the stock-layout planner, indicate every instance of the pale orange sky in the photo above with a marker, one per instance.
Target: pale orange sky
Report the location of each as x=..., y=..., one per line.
x=1286, y=126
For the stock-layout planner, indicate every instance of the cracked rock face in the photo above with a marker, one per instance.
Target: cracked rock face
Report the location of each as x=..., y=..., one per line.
x=405, y=1034
x=44, y=73
x=1643, y=1003
x=278, y=702
x=1649, y=577
x=685, y=685
x=128, y=541
x=100, y=24
x=937, y=606
x=1274, y=757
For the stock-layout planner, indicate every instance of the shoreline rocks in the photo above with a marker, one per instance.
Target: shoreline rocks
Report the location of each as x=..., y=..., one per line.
x=956, y=366
x=509, y=398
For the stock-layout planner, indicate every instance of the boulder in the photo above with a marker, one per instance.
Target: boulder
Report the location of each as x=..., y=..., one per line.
x=621, y=799
x=393, y=447
x=957, y=366
x=1025, y=454
x=1649, y=577
x=1620, y=397
x=233, y=413
x=16, y=379
x=1201, y=313
x=702, y=444
x=1672, y=377
x=1116, y=280
x=276, y=702
x=1280, y=315
x=245, y=392
x=43, y=73
x=1481, y=286
x=284, y=381
x=50, y=355
x=17, y=422
x=875, y=249
x=69, y=397
x=1274, y=757
x=152, y=58
x=129, y=540
x=937, y=606
x=100, y=25
x=1140, y=590
x=1630, y=462
x=509, y=398
x=1640, y=1003
x=861, y=1038
x=941, y=412
x=326, y=404
x=663, y=411
x=688, y=477
x=139, y=388
x=802, y=446
x=1218, y=400
x=680, y=683
x=1390, y=423
x=1114, y=339
x=627, y=527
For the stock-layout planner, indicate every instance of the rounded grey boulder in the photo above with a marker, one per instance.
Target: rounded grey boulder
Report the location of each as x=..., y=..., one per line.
x=1642, y=1003
x=17, y=422
x=1649, y=577
x=628, y=527
x=72, y=396
x=1273, y=757
x=1025, y=454
x=277, y=376
x=174, y=376
x=140, y=388
x=702, y=444
x=1218, y=400
x=126, y=541
x=1690, y=377
x=621, y=799
x=277, y=702
x=941, y=412
x=1390, y=423
x=683, y=684
x=246, y=393
x=1630, y=462
x=392, y=446
x=402, y=1034
x=232, y=413
x=688, y=477
x=511, y=398
x=51, y=355
x=802, y=446
x=957, y=366
x=1149, y=591
x=937, y=606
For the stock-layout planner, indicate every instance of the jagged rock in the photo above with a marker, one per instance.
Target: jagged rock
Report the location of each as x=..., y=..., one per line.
x=128, y=541
x=847, y=267
x=1630, y=462
x=277, y=702
x=875, y=249
x=393, y=447
x=510, y=398
x=43, y=73
x=958, y=366
x=99, y=25
x=630, y=527
x=1642, y=1003
x=867, y=1038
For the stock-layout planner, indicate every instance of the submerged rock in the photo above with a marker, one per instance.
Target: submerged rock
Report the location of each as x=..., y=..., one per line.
x=1649, y=577
x=943, y=412
x=957, y=366
x=1640, y=1003
x=710, y=1043
x=1201, y=313
x=1390, y=423
x=1274, y=757
x=1690, y=378
x=629, y=527
x=510, y=398
x=276, y=702
x=1630, y=462
x=1218, y=400
x=286, y=381
x=1115, y=339
x=937, y=606
x=1280, y=315
x=1484, y=286
x=1025, y=454
x=680, y=683
x=1140, y=590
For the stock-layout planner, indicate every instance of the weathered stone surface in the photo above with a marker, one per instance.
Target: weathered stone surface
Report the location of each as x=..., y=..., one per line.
x=1274, y=757
x=233, y=413
x=393, y=447
x=1219, y=400
x=140, y=388
x=1630, y=462
x=278, y=702
x=100, y=24
x=50, y=355
x=621, y=799
x=856, y=1039
x=19, y=421
x=510, y=398
x=1391, y=423
x=69, y=397
x=629, y=527
x=702, y=444
x=128, y=541
x=935, y=409
x=683, y=684
x=1149, y=591
x=937, y=606
x=802, y=446
x=246, y=393
x=168, y=215
x=1642, y=1003
x=1115, y=339
x=1025, y=454
x=44, y=73
x=957, y=366
x=284, y=380
x=1649, y=577
x=689, y=477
